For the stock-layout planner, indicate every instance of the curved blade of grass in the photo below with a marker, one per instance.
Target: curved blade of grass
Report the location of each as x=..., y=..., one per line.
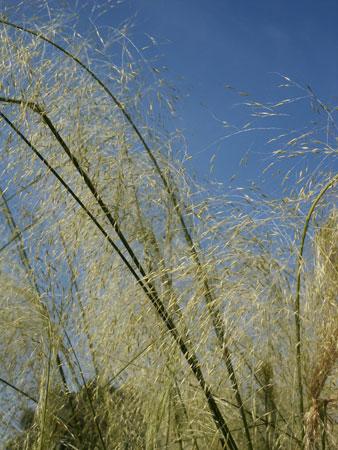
x=36, y=108
x=190, y=357
x=213, y=311
x=298, y=324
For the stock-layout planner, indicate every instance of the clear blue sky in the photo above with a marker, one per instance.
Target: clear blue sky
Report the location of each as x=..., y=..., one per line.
x=241, y=43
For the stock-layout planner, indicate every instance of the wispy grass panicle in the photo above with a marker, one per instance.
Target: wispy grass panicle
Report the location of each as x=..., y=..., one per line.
x=139, y=308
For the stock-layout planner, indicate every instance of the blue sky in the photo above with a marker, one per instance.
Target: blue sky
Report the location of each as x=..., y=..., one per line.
x=207, y=45
x=246, y=44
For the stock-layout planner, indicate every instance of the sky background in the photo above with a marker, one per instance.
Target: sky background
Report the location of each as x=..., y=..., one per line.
x=248, y=45
x=208, y=45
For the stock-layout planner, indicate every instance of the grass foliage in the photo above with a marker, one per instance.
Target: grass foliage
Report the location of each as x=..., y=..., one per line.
x=140, y=309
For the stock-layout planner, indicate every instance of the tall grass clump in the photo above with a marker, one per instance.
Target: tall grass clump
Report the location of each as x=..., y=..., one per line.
x=140, y=309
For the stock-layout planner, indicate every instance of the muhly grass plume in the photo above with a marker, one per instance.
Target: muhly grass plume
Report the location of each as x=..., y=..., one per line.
x=140, y=309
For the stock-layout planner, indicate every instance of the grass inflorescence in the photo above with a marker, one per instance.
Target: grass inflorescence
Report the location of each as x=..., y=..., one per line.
x=140, y=309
